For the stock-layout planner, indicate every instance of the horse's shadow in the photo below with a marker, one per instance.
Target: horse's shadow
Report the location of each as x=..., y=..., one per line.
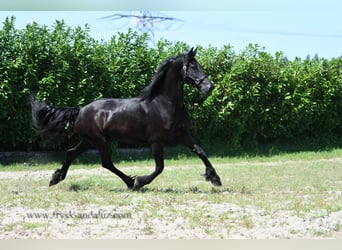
x=75, y=187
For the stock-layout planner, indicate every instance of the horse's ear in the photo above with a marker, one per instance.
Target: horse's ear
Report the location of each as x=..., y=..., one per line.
x=192, y=53
x=195, y=51
x=188, y=57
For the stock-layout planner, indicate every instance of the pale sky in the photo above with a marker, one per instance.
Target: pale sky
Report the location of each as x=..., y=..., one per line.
x=295, y=32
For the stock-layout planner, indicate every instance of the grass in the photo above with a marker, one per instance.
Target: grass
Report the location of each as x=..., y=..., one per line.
x=306, y=185
x=31, y=226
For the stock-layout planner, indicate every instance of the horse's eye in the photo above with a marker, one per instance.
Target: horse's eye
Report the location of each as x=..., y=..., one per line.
x=193, y=66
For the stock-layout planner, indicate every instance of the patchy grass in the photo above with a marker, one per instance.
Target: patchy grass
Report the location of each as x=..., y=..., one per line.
x=285, y=196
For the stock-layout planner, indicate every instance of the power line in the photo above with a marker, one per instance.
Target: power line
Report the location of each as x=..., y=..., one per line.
x=220, y=27
x=145, y=21
x=284, y=33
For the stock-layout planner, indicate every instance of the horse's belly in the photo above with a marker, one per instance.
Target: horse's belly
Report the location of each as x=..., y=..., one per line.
x=126, y=129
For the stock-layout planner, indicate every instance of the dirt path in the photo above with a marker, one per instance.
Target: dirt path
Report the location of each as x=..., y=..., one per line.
x=103, y=222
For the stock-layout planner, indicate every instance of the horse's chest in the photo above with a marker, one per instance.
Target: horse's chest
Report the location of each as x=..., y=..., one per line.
x=166, y=122
x=176, y=125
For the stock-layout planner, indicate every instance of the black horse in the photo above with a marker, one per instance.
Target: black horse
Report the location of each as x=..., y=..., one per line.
x=155, y=117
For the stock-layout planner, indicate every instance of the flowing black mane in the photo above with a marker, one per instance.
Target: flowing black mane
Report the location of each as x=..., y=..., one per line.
x=151, y=90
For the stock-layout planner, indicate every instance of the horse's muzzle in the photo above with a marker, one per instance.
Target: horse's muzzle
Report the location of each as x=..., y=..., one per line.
x=206, y=87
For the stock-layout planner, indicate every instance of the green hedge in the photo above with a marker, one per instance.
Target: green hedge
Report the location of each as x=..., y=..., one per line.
x=257, y=97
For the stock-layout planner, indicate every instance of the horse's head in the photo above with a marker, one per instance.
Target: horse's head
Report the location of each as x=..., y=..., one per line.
x=193, y=73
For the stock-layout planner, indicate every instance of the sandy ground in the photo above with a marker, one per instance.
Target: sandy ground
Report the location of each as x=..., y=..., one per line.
x=111, y=222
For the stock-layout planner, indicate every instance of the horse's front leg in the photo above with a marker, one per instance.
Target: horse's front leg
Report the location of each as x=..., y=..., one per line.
x=210, y=173
x=158, y=153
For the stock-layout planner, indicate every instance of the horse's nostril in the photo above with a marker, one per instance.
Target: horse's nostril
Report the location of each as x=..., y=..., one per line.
x=211, y=88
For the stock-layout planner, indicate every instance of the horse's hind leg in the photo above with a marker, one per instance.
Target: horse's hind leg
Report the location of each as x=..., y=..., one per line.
x=157, y=150
x=71, y=154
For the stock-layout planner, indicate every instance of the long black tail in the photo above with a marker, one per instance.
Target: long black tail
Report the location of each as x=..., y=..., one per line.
x=51, y=120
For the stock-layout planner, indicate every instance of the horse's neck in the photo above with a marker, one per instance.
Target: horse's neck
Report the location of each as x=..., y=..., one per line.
x=173, y=90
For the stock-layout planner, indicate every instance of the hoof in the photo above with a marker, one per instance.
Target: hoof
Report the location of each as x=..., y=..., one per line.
x=130, y=183
x=214, y=179
x=57, y=176
x=138, y=183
